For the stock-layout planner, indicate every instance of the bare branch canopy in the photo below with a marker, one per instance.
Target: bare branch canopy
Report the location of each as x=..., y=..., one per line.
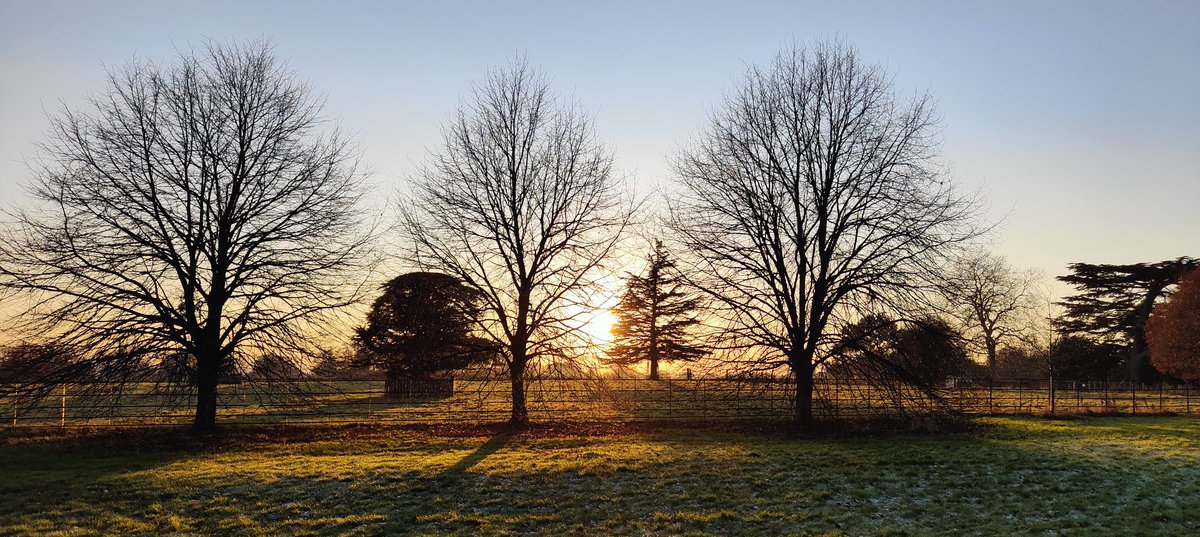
x=814, y=196
x=190, y=217
x=521, y=204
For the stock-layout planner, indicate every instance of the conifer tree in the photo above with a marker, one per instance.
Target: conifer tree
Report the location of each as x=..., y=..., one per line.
x=655, y=317
x=1114, y=302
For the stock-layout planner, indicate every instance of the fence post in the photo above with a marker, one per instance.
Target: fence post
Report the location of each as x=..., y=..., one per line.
x=62, y=413
x=670, y=399
x=836, y=399
x=1133, y=391
x=1187, y=397
x=1051, y=394
x=1160, y=395
x=991, y=387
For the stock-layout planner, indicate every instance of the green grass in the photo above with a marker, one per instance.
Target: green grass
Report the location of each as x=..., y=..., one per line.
x=1022, y=476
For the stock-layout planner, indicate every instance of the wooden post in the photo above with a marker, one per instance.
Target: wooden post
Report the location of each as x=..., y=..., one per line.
x=62, y=413
x=1052, y=409
x=670, y=399
x=1133, y=391
x=836, y=399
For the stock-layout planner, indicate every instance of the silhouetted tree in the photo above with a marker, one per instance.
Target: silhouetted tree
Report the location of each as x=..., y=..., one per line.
x=195, y=212
x=332, y=365
x=423, y=323
x=1173, y=331
x=1022, y=362
x=273, y=367
x=992, y=301
x=655, y=317
x=521, y=205
x=32, y=362
x=813, y=197
x=922, y=352
x=1078, y=357
x=1113, y=302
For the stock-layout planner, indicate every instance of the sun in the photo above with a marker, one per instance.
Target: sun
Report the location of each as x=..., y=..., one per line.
x=598, y=327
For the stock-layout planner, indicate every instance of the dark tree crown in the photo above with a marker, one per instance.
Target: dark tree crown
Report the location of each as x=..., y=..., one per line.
x=655, y=316
x=423, y=323
x=924, y=351
x=1114, y=301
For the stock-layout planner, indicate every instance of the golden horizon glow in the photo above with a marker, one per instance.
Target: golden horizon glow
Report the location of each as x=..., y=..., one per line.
x=599, y=326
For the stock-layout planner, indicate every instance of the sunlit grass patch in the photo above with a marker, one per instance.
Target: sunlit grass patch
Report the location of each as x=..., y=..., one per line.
x=1025, y=476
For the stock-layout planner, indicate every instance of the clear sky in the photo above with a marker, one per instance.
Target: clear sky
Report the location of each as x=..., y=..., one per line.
x=1079, y=120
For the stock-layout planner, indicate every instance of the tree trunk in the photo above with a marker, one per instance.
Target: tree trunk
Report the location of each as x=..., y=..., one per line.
x=653, y=354
x=207, y=368
x=1137, y=349
x=520, y=415
x=804, y=396
x=991, y=356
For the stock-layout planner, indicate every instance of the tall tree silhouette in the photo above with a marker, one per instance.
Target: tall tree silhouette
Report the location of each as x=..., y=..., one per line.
x=194, y=215
x=521, y=205
x=1173, y=331
x=924, y=351
x=813, y=197
x=993, y=302
x=1114, y=302
x=654, y=317
x=423, y=323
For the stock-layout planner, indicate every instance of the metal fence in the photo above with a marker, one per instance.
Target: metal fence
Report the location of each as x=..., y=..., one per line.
x=587, y=400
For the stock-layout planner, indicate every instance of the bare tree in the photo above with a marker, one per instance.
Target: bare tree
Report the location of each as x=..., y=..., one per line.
x=520, y=204
x=993, y=302
x=194, y=216
x=812, y=198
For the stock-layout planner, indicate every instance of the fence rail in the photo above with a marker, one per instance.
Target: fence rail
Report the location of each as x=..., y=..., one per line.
x=595, y=400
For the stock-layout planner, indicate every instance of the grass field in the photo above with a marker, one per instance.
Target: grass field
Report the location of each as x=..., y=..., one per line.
x=1023, y=476
x=597, y=400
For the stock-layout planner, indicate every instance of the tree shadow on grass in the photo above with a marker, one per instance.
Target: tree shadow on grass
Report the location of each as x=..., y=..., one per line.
x=1007, y=481
x=459, y=469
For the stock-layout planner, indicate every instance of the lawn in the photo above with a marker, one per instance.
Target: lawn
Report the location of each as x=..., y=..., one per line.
x=1023, y=476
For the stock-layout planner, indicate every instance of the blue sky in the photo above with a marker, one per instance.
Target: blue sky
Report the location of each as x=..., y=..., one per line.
x=1079, y=120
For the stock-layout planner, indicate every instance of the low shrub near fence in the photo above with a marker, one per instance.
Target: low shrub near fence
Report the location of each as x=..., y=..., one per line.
x=582, y=400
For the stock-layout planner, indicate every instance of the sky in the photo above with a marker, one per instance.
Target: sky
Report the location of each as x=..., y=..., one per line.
x=1079, y=122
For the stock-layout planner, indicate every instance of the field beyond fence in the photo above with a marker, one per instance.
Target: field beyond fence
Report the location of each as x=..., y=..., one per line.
x=582, y=400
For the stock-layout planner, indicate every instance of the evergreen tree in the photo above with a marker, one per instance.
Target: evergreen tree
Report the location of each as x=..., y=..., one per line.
x=1114, y=302
x=654, y=317
x=422, y=324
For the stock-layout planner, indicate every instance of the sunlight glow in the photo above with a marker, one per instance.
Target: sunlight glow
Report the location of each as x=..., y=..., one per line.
x=599, y=327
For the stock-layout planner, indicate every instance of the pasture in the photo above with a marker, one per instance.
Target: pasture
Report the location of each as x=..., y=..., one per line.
x=1005, y=476
x=594, y=400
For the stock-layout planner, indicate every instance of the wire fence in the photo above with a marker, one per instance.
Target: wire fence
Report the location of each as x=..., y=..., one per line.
x=581, y=400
